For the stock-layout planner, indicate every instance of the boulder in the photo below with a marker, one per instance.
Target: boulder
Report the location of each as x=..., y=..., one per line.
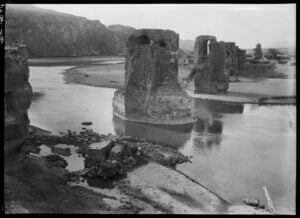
x=253, y=202
x=117, y=152
x=98, y=152
x=109, y=169
x=55, y=160
x=61, y=151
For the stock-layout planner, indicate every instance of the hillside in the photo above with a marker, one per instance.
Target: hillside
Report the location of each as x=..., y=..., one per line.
x=54, y=34
x=121, y=34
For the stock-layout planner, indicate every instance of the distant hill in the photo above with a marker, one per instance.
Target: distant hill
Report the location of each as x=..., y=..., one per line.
x=49, y=33
x=187, y=44
x=121, y=34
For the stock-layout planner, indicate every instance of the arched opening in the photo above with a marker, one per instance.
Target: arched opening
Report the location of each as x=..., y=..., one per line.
x=142, y=40
x=207, y=48
x=162, y=43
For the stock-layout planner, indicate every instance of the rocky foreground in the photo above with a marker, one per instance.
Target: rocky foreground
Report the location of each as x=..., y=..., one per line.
x=136, y=176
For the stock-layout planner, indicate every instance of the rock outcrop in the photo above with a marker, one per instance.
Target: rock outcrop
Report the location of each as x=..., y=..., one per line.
x=17, y=97
x=121, y=34
x=49, y=33
x=209, y=73
x=152, y=93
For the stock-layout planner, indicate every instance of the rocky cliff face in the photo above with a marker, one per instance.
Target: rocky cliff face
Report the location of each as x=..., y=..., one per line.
x=48, y=33
x=121, y=34
x=17, y=97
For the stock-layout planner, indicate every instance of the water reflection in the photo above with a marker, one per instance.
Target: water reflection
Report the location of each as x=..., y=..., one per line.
x=174, y=136
x=207, y=108
x=207, y=131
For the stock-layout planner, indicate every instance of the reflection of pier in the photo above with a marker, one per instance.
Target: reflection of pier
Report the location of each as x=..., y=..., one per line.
x=207, y=108
x=173, y=135
x=207, y=131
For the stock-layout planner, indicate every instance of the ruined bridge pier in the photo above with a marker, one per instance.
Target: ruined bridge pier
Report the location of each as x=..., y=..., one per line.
x=152, y=93
x=214, y=63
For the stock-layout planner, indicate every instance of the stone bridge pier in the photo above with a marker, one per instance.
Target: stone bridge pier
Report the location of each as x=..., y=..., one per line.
x=209, y=74
x=152, y=93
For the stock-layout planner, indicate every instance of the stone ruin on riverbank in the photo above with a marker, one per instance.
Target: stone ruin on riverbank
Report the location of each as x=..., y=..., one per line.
x=152, y=93
x=17, y=97
x=258, y=54
x=214, y=63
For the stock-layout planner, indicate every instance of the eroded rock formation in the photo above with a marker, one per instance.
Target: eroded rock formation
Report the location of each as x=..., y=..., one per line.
x=209, y=74
x=152, y=93
x=17, y=97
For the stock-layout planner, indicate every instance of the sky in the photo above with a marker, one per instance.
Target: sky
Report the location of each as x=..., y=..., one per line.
x=246, y=24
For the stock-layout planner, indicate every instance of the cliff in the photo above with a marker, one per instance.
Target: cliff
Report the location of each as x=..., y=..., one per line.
x=48, y=33
x=17, y=97
x=121, y=34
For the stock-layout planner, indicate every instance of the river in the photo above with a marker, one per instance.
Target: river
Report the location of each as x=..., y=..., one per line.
x=235, y=149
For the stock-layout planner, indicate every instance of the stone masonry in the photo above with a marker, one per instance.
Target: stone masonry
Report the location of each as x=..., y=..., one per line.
x=152, y=93
x=209, y=74
x=17, y=97
x=258, y=52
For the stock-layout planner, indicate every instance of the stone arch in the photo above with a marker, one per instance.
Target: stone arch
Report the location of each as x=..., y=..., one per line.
x=207, y=47
x=142, y=40
x=162, y=43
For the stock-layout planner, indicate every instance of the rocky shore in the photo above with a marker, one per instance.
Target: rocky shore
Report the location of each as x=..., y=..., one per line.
x=119, y=175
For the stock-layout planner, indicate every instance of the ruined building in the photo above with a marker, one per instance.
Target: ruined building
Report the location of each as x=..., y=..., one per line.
x=231, y=58
x=17, y=97
x=209, y=74
x=258, y=54
x=241, y=59
x=152, y=93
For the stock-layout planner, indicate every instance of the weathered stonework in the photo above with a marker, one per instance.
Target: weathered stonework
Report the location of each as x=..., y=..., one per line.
x=232, y=58
x=258, y=52
x=152, y=93
x=241, y=59
x=17, y=97
x=209, y=74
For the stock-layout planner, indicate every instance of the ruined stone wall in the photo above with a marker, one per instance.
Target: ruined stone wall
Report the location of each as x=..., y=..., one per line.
x=231, y=58
x=258, y=54
x=17, y=97
x=241, y=59
x=151, y=76
x=209, y=73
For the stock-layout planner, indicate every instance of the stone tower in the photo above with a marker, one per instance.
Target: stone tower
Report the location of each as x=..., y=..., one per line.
x=209, y=73
x=258, y=52
x=152, y=93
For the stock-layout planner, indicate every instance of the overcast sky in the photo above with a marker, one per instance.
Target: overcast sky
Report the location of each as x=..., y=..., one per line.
x=246, y=25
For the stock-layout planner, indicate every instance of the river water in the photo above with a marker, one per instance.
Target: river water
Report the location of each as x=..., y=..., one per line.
x=235, y=149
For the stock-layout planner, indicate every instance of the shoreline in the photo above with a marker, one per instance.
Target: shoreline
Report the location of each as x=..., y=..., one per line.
x=247, y=90
x=157, y=164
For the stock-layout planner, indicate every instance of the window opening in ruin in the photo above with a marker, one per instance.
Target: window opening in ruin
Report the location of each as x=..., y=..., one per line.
x=142, y=40
x=207, y=48
x=162, y=43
